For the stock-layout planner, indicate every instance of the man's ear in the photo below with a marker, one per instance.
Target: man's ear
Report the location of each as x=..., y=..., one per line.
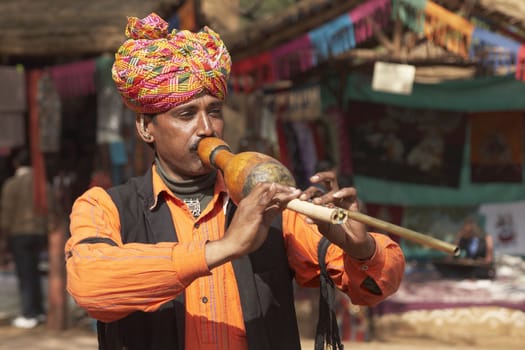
x=142, y=122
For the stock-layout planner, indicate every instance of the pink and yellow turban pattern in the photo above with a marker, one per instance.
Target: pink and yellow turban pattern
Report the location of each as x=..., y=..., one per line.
x=155, y=71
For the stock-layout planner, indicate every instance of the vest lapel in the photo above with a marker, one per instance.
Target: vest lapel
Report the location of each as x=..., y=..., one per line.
x=158, y=220
x=251, y=307
x=160, y=225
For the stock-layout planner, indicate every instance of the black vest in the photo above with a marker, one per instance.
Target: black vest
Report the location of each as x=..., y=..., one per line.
x=264, y=280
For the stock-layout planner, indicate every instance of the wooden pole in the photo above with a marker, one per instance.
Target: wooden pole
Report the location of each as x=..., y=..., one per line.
x=57, y=298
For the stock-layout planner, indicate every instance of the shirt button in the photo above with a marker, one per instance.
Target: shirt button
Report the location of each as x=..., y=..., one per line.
x=204, y=300
x=364, y=267
x=196, y=225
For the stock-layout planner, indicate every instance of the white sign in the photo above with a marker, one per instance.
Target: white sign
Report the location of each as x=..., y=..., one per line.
x=506, y=223
x=393, y=78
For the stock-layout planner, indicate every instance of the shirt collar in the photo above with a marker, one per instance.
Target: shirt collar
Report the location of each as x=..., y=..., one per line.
x=159, y=187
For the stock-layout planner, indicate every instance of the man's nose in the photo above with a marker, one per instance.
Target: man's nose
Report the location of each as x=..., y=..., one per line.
x=205, y=127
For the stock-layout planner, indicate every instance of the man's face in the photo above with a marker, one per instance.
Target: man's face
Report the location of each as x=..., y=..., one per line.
x=177, y=132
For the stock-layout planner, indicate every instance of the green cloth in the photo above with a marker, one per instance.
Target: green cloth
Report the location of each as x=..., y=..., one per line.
x=476, y=95
x=378, y=191
x=503, y=93
x=411, y=13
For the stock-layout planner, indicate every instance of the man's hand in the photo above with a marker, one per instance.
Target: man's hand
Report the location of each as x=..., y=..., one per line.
x=250, y=223
x=350, y=236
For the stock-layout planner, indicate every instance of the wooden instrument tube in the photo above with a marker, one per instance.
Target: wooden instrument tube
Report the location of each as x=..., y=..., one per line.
x=244, y=170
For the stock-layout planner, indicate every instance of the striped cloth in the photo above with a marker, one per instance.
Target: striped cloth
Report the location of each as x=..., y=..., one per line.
x=156, y=70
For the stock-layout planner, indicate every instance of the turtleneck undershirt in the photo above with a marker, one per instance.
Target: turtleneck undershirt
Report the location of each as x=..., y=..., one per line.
x=196, y=193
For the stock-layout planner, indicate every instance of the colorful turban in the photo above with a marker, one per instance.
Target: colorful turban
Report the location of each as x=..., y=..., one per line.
x=155, y=71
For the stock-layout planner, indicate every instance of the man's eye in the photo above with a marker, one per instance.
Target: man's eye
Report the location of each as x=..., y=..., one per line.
x=185, y=115
x=217, y=112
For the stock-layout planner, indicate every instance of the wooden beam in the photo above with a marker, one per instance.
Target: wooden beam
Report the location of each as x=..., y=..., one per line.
x=70, y=27
x=272, y=31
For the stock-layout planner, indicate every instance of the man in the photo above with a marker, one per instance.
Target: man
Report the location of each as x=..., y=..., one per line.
x=166, y=261
x=25, y=231
x=478, y=247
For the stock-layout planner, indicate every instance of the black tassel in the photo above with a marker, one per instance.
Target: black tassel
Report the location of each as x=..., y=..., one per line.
x=327, y=333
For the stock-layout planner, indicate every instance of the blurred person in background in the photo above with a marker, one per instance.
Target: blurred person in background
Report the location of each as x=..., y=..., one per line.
x=474, y=243
x=25, y=233
x=476, y=253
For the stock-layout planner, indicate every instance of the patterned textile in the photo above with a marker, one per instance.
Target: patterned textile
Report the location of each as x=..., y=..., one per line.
x=494, y=50
x=49, y=114
x=378, y=11
x=424, y=288
x=447, y=29
x=155, y=70
x=418, y=146
x=496, y=147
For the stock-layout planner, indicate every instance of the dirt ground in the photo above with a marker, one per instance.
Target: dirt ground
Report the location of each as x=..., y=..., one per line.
x=397, y=337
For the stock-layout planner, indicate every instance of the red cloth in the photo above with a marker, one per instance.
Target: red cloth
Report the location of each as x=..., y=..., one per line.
x=252, y=72
x=520, y=64
x=75, y=79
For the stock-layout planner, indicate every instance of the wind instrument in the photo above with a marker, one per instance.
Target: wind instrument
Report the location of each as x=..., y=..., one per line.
x=244, y=170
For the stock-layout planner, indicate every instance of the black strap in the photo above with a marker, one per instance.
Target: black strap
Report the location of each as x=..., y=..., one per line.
x=327, y=328
x=90, y=240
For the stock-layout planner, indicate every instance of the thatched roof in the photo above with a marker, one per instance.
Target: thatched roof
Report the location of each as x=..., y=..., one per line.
x=74, y=28
x=47, y=29
x=308, y=14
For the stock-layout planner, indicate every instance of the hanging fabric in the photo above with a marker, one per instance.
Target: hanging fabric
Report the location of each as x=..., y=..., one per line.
x=333, y=38
x=13, y=104
x=344, y=154
x=306, y=147
x=37, y=158
x=378, y=11
x=50, y=114
x=494, y=51
x=520, y=64
x=252, y=73
x=496, y=142
x=411, y=13
x=110, y=108
x=75, y=79
x=304, y=103
x=447, y=29
x=293, y=57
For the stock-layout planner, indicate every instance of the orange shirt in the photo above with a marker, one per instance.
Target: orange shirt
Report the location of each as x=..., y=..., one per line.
x=112, y=281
